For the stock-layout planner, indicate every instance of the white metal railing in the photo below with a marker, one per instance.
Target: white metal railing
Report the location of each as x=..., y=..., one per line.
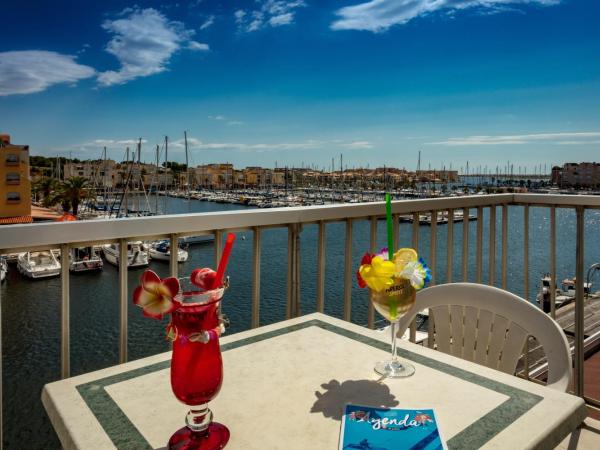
x=66, y=235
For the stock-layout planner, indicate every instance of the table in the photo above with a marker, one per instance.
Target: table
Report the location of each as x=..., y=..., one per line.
x=285, y=386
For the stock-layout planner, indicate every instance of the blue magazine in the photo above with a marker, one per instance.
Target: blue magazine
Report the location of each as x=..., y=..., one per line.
x=368, y=428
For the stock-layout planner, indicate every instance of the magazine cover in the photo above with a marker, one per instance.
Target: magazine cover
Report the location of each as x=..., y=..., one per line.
x=368, y=428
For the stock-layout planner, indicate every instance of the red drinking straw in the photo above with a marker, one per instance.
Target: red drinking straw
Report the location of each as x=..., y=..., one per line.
x=224, y=260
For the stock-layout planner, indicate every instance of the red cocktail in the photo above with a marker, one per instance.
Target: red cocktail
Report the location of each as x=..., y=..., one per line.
x=196, y=366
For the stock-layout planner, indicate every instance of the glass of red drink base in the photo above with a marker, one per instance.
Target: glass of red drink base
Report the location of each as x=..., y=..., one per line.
x=197, y=366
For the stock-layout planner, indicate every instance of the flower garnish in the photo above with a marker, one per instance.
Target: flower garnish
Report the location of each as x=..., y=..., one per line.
x=378, y=274
x=383, y=254
x=417, y=273
x=366, y=259
x=156, y=296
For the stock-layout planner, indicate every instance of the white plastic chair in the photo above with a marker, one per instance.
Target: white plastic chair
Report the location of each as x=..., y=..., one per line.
x=489, y=326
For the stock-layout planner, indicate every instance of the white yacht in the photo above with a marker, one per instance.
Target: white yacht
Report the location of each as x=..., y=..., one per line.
x=136, y=255
x=85, y=259
x=161, y=250
x=41, y=264
x=3, y=268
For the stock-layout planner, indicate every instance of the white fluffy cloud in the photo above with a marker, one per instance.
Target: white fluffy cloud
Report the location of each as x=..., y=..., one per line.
x=26, y=72
x=143, y=41
x=274, y=13
x=379, y=15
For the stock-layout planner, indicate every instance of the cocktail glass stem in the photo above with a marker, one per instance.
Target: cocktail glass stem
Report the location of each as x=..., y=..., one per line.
x=199, y=418
x=393, y=368
x=393, y=327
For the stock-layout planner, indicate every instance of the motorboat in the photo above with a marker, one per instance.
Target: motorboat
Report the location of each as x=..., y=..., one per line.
x=136, y=255
x=85, y=259
x=3, y=268
x=42, y=264
x=161, y=250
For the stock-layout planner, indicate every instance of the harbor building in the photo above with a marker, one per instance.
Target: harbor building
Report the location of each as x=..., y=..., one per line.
x=15, y=202
x=584, y=174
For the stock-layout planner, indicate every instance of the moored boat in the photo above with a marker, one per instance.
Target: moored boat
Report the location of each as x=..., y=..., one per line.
x=136, y=256
x=161, y=250
x=3, y=269
x=42, y=264
x=85, y=259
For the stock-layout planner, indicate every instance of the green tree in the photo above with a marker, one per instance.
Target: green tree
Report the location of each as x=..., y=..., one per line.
x=46, y=188
x=74, y=190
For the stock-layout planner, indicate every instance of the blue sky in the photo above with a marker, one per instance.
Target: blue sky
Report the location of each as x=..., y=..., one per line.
x=301, y=81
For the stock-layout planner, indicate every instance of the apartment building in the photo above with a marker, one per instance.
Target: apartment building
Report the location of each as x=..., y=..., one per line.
x=15, y=200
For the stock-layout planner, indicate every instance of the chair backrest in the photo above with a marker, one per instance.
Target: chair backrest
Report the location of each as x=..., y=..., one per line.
x=489, y=326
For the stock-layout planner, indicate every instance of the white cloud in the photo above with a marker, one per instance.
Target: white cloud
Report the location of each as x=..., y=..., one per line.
x=199, y=46
x=26, y=72
x=379, y=15
x=577, y=138
x=274, y=13
x=208, y=22
x=309, y=144
x=281, y=19
x=143, y=41
x=111, y=143
x=217, y=117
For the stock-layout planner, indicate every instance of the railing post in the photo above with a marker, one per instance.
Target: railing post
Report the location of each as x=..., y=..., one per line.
x=348, y=271
x=256, y=278
x=293, y=277
x=173, y=261
x=432, y=264
x=218, y=246
x=65, y=353
x=1, y=378
x=504, y=243
x=123, y=300
x=321, y=268
x=492, y=247
x=396, y=228
x=450, y=246
x=465, y=245
x=415, y=244
x=479, y=250
x=373, y=249
x=433, y=246
x=553, y=262
x=526, y=250
x=579, y=306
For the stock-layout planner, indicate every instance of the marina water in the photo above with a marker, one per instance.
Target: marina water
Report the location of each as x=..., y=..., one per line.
x=31, y=309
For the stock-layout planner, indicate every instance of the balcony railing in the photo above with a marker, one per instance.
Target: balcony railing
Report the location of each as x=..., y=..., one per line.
x=20, y=238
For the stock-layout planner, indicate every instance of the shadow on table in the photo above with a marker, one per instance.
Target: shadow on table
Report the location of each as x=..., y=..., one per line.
x=362, y=392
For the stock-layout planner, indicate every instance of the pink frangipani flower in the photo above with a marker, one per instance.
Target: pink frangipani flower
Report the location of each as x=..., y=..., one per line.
x=155, y=296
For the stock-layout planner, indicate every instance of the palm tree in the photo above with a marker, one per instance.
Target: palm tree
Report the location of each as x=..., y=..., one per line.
x=46, y=187
x=74, y=190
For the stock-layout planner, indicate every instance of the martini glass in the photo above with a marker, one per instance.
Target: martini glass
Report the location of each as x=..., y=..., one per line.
x=393, y=303
x=197, y=366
